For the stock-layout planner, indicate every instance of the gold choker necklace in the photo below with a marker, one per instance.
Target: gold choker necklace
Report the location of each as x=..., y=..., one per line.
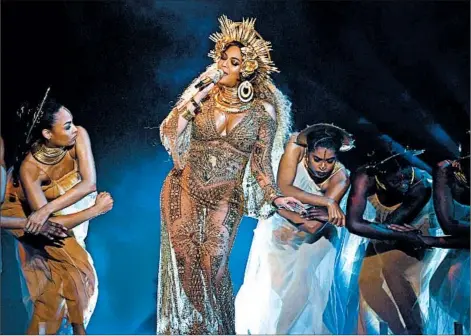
x=228, y=100
x=47, y=155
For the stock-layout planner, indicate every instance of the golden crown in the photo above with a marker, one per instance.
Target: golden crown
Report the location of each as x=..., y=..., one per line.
x=255, y=53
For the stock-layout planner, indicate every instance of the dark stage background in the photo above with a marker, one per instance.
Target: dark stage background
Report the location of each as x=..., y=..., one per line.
x=382, y=70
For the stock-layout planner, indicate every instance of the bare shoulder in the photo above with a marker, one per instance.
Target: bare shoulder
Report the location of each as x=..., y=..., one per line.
x=341, y=176
x=361, y=180
x=82, y=132
x=29, y=169
x=293, y=149
x=294, y=139
x=270, y=109
x=82, y=142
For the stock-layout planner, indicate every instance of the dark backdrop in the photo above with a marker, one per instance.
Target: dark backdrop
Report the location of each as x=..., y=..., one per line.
x=383, y=70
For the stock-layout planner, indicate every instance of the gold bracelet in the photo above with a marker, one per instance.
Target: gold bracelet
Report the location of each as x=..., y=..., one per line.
x=195, y=104
x=188, y=115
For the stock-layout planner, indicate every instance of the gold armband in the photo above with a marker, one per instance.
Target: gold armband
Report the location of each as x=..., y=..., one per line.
x=188, y=115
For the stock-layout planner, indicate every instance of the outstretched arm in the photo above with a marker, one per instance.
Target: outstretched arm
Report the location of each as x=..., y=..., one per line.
x=356, y=205
x=362, y=186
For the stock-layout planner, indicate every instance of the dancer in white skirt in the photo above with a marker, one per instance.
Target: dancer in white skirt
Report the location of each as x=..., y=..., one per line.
x=288, y=285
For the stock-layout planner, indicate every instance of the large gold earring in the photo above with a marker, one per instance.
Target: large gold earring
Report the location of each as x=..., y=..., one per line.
x=245, y=91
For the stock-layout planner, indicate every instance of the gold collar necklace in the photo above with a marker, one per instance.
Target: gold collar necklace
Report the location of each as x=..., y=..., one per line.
x=48, y=155
x=227, y=99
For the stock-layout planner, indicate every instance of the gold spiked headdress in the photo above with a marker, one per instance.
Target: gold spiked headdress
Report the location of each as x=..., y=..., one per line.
x=255, y=53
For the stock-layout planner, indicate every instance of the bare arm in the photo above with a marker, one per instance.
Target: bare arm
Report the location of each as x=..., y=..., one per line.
x=103, y=204
x=338, y=186
x=361, y=187
x=72, y=220
x=12, y=222
x=443, y=201
x=362, y=184
x=31, y=181
x=86, y=165
x=49, y=230
x=336, y=190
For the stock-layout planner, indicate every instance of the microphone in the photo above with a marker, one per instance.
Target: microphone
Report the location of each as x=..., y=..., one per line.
x=212, y=78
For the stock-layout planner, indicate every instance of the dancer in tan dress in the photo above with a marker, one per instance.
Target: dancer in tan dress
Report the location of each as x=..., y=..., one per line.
x=61, y=279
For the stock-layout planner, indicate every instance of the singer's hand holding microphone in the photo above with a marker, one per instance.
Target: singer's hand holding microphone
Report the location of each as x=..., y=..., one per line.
x=204, y=86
